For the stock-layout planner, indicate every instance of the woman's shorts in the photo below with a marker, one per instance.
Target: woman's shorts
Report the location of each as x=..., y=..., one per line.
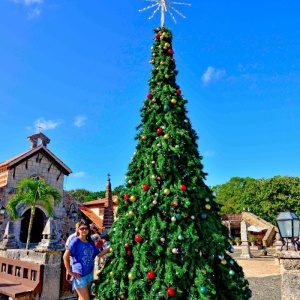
x=82, y=281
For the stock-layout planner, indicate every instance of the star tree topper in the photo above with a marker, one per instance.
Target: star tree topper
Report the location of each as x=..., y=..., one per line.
x=164, y=6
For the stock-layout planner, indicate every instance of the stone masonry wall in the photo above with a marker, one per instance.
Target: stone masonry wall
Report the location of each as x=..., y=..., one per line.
x=35, y=167
x=52, y=268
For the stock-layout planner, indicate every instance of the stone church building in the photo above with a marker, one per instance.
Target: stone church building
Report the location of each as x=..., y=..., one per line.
x=38, y=162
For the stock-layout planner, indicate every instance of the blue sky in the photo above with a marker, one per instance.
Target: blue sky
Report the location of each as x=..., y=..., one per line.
x=80, y=70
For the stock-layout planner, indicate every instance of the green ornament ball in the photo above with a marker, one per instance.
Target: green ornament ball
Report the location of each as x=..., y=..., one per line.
x=203, y=290
x=178, y=216
x=187, y=203
x=203, y=216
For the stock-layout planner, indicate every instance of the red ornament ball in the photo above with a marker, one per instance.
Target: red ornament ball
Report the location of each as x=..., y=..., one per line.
x=178, y=92
x=159, y=130
x=157, y=36
x=138, y=238
x=149, y=96
x=151, y=275
x=183, y=187
x=171, y=292
x=170, y=51
x=127, y=246
x=146, y=187
x=126, y=196
x=173, y=60
x=128, y=253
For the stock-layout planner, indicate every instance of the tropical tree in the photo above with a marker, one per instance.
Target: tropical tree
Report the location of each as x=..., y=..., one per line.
x=235, y=194
x=264, y=197
x=33, y=192
x=79, y=194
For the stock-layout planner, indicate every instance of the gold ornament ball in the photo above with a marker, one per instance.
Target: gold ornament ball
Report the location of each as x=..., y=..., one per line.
x=153, y=177
x=167, y=45
x=153, y=100
x=111, y=250
x=166, y=136
x=166, y=76
x=116, y=200
x=132, y=199
x=173, y=101
x=131, y=213
x=112, y=274
x=207, y=206
x=122, y=297
x=130, y=276
x=166, y=191
x=143, y=137
x=130, y=181
x=223, y=262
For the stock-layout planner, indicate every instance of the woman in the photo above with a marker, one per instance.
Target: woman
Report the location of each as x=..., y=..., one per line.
x=83, y=251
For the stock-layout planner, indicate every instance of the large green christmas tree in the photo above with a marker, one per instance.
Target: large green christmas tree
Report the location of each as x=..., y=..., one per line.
x=168, y=241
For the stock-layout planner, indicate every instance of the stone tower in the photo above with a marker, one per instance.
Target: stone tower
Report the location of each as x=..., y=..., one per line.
x=108, y=217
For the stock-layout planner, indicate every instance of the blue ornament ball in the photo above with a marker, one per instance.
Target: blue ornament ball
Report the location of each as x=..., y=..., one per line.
x=231, y=249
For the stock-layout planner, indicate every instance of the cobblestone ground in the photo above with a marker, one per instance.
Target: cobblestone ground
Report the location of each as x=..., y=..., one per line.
x=263, y=274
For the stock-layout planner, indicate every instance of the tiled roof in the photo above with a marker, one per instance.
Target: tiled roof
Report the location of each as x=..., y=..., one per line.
x=7, y=162
x=11, y=162
x=98, y=202
x=91, y=215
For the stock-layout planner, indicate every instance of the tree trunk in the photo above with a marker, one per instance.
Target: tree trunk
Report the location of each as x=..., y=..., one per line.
x=29, y=228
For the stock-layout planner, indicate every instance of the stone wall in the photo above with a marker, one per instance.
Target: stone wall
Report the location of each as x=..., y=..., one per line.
x=38, y=166
x=52, y=268
x=290, y=274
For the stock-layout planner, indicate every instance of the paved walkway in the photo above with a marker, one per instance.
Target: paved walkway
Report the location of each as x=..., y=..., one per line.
x=263, y=274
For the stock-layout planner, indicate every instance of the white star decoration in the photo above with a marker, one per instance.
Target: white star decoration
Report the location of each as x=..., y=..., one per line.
x=164, y=6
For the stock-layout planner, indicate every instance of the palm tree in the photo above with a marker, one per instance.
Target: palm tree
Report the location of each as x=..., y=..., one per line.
x=33, y=192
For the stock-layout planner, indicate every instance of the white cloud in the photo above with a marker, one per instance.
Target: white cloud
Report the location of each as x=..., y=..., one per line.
x=80, y=121
x=209, y=153
x=33, y=6
x=34, y=13
x=79, y=174
x=28, y=2
x=212, y=74
x=46, y=125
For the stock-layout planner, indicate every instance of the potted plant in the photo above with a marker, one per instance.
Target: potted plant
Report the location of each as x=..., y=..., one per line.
x=251, y=240
x=237, y=240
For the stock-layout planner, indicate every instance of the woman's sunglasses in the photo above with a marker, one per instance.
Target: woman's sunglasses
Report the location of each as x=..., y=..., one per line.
x=83, y=228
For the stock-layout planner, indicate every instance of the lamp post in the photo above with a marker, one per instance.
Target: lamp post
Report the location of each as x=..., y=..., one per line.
x=72, y=213
x=2, y=210
x=288, y=224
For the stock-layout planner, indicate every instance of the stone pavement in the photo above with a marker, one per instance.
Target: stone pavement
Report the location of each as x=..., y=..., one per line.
x=262, y=272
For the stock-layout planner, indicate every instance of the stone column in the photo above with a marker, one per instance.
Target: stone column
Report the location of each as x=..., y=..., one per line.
x=290, y=274
x=245, y=243
x=9, y=239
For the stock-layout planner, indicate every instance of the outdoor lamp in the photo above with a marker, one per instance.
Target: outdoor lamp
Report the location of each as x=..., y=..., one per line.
x=288, y=224
x=2, y=210
x=72, y=213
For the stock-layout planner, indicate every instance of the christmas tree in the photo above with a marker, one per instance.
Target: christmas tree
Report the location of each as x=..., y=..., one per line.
x=168, y=240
